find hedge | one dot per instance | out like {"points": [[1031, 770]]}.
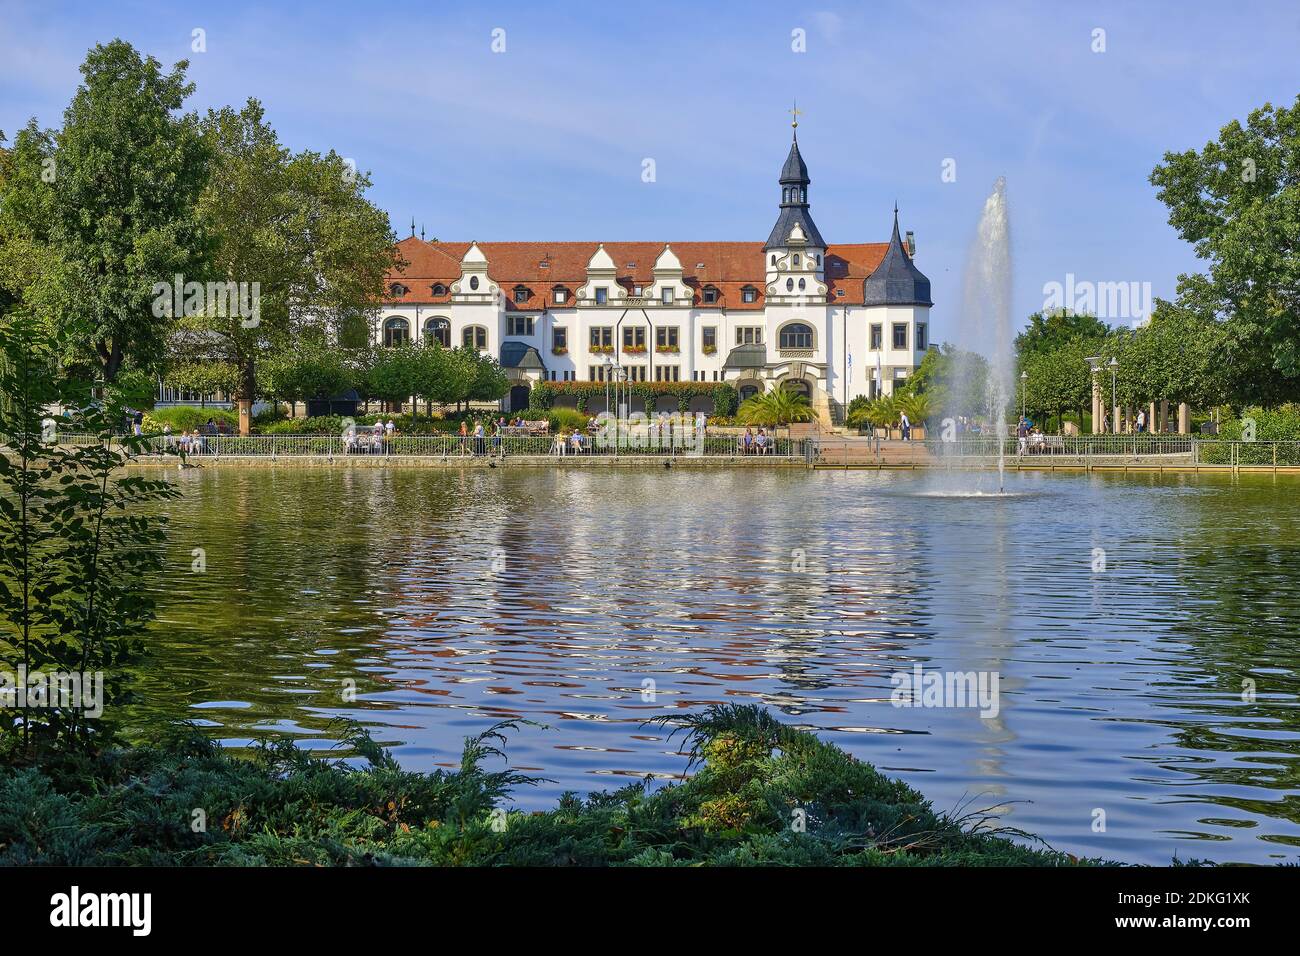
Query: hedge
{"points": [[724, 396]]}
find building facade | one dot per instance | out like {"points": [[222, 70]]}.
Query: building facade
{"points": [[831, 321]]}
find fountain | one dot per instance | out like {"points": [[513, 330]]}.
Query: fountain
{"points": [[984, 326]]}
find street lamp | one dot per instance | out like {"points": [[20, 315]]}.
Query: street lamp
{"points": [[1024, 383], [1113, 365]]}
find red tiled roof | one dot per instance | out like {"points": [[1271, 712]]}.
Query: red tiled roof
{"points": [[540, 266]]}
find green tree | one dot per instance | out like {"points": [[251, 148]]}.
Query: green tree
{"points": [[1052, 329], [112, 196], [1237, 200], [297, 225]]}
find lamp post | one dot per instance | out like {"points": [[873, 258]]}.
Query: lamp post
{"points": [[1113, 365], [1024, 383]]}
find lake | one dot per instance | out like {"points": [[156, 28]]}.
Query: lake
{"points": [[1144, 630]]}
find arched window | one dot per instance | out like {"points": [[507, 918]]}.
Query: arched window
{"points": [[803, 193], [397, 331], [796, 335], [774, 258], [796, 260], [474, 337], [819, 261], [798, 386], [785, 194], [439, 289], [473, 282], [749, 390], [438, 329]]}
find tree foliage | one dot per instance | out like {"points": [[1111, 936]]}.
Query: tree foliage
{"points": [[1237, 200]]}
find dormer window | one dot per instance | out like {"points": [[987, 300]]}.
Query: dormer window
{"points": [[560, 295], [473, 282], [710, 295], [667, 298], [439, 289], [749, 294], [602, 295], [521, 295], [796, 260], [397, 289]]}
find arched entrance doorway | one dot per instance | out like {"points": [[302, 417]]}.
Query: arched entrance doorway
{"points": [[518, 398], [749, 389], [799, 386]]}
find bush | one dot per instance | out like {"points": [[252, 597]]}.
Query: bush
{"points": [[285, 807], [320, 425], [186, 418]]}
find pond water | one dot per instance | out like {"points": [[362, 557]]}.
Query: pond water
{"points": [[1144, 631]]}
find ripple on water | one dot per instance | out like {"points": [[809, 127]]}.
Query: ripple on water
{"points": [[373, 595]]}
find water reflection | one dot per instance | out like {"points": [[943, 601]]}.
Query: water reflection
{"points": [[455, 599]]}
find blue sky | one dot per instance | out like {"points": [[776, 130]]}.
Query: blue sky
{"points": [[546, 140]]}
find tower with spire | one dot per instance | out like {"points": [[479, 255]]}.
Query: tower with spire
{"points": [[794, 251]]}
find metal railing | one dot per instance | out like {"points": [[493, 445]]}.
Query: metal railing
{"points": [[643, 444], [1086, 449]]}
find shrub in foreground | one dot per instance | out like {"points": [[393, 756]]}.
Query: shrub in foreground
{"points": [[763, 794]]}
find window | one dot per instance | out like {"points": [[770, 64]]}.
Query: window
{"points": [[397, 331], [635, 373], [900, 335], [819, 262], [749, 294], [634, 337], [521, 295], [397, 290], [473, 282], [636, 290], [519, 325], [710, 295], [801, 285], [667, 294], [602, 295], [666, 338], [875, 338], [789, 285], [474, 337], [439, 289], [560, 295], [595, 373], [559, 339], [602, 337], [668, 373], [749, 335], [710, 337], [797, 336], [796, 260], [438, 329], [922, 337]]}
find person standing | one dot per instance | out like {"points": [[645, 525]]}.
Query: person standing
{"points": [[905, 426], [464, 436], [1142, 420], [480, 443]]}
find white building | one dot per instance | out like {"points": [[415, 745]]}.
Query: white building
{"points": [[833, 321]]}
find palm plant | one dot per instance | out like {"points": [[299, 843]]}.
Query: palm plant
{"points": [[916, 406], [782, 406]]}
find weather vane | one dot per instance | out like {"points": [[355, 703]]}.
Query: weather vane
{"points": [[795, 113]]}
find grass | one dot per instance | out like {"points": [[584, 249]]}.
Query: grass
{"points": [[762, 794]]}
